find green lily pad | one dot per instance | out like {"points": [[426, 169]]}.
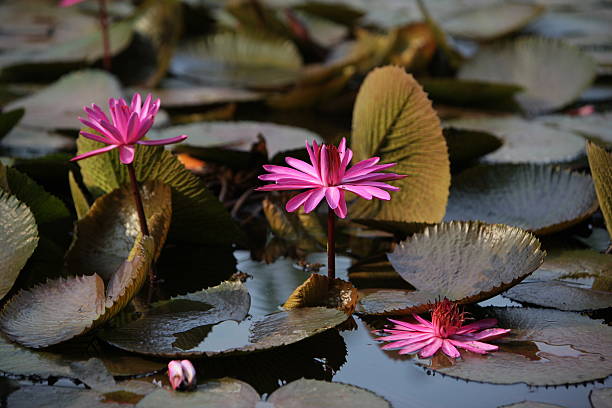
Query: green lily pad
{"points": [[571, 349], [527, 62], [50, 109], [560, 295], [241, 60], [465, 146], [491, 21], [464, 92], [106, 235], [19, 236], [393, 119], [522, 195], [600, 162], [600, 397], [240, 136], [197, 215], [9, 119], [61, 309], [212, 322], [467, 262], [525, 141]]}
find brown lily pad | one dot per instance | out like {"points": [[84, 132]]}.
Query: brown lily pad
{"points": [[464, 261], [600, 162], [537, 198], [571, 349], [318, 290]]}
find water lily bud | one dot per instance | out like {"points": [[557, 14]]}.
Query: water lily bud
{"points": [[182, 375]]}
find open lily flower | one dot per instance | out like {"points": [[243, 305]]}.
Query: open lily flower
{"points": [[127, 125], [328, 176], [182, 375], [445, 331]]}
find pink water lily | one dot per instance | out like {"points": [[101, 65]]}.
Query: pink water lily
{"points": [[328, 176], [182, 375], [127, 125], [445, 331]]}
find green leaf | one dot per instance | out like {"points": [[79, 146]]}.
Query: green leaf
{"points": [[460, 92], [19, 237], [600, 162], [106, 235], [9, 120], [49, 108], [81, 204], [197, 215], [394, 119], [240, 60], [552, 73]]}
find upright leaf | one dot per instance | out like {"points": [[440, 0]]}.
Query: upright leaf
{"points": [[600, 162], [394, 119]]}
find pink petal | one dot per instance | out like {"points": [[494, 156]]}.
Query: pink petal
{"points": [[94, 152], [341, 210], [419, 319], [487, 334], [479, 325], [332, 194], [342, 145], [136, 103], [170, 140], [416, 346], [281, 187], [474, 346], [364, 164], [406, 342], [412, 336], [302, 166], [361, 191], [323, 170], [95, 137], [411, 326], [375, 192], [66, 3], [450, 350], [373, 177], [100, 129], [311, 155], [126, 154], [314, 200], [295, 202], [432, 348]]}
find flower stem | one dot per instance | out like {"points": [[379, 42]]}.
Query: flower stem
{"points": [[103, 14], [331, 244], [138, 200]]}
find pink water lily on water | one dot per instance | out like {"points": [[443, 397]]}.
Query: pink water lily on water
{"points": [[445, 331], [328, 176], [125, 128]]}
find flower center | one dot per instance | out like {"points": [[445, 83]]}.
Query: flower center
{"points": [[446, 318], [333, 165]]}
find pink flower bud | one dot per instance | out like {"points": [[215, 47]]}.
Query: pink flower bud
{"points": [[182, 375]]}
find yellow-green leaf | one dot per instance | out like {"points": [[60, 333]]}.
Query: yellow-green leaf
{"points": [[600, 162]]}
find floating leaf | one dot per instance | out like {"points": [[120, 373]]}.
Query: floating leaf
{"points": [[600, 397], [464, 261], [197, 216], [33, 143], [19, 236], [600, 162], [240, 60], [398, 228], [50, 109], [61, 309], [573, 263], [465, 146], [525, 141], [393, 119], [106, 235], [526, 62], [560, 295], [537, 198], [190, 96], [81, 204], [317, 290], [239, 135], [594, 126], [491, 21], [570, 349], [464, 92], [9, 119]]}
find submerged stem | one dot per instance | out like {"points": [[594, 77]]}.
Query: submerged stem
{"points": [[331, 244], [103, 14]]}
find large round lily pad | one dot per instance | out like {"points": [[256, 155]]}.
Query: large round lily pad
{"points": [[570, 349], [19, 237], [594, 126], [393, 119], [551, 72], [537, 198], [211, 322], [525, 141], [463, 261], [560, 295], [239, 136]]}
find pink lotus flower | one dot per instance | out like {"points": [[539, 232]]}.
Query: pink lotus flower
{"points": [[128, 126], [327, 176], [182, 375], [445, 331], [67, 3]]}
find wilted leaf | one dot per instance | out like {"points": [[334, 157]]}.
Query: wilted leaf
{"points": [[239, 60], [9, 120], [19, 237], [465, 262], [49, 108], [525, 141], [394, 119], [197, 215], [537, 198], [81, 204], [600, 162], [491, 21], [527, 62], [317, 290], [570, 349]]}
